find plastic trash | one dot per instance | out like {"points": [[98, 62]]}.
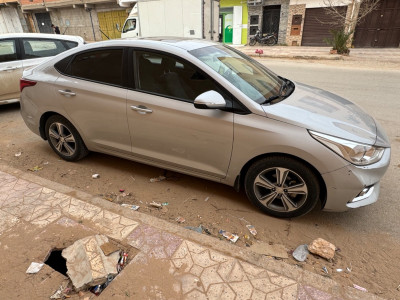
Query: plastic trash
{"points": [[157, 179], [95, 176], [360, 288], [230, 236], [131, 206], [17, 154], [197, 229], [155, 204], [34, 268], [252, 229]]}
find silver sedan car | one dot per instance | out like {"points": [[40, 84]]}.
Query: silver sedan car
{"points": [[207, 110]]}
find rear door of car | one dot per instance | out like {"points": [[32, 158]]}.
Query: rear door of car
{"points": [[10, 68], [165, 126], [92, 91]]}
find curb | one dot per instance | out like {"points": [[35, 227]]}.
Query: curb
{"points": [[301, 276]]}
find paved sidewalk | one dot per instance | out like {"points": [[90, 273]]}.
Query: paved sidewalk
{"points": [[378, 55], [171, 263]]}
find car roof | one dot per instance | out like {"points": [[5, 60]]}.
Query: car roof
{"points": [[42, 35], [187, 44]]}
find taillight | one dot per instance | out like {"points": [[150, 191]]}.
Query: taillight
{"points": [[25, 83]]}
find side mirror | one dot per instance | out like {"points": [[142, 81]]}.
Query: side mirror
{"points": [[210, 100], [117, 26]]}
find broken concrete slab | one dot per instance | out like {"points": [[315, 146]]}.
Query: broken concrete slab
{"points": [[275, 250], [86, 263]]}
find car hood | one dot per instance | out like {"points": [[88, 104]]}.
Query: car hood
{"points": [[324, 112]]}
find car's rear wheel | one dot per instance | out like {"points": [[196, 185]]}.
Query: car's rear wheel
{"points": [[64, 139], [282, 186]]}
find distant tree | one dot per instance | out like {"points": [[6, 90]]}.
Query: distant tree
{"points": [[346, 20]]}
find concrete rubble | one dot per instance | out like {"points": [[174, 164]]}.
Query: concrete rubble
{"points": [[322, 248], [87, 264]]}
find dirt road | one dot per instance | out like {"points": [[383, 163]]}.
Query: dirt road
{"points": [[367, 245]]}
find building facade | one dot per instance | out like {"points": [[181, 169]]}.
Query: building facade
{"points": [[307, 23], [233, 15]]}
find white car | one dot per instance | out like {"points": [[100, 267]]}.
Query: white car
{"points": [[19, 51]]}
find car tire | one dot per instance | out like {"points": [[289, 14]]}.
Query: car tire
{"points": [[252, 42], [64, 139], [282, 186]]}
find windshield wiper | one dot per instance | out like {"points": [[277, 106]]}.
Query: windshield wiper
{"points": [[274, 97]]}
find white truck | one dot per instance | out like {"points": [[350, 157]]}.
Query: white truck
{"points": [[180, 18]]}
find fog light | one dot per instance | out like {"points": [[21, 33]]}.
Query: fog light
{"points": [[365, 193]]}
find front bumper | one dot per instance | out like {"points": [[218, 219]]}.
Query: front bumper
{"points": [[344, 185]]}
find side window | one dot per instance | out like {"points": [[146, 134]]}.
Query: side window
{"points": [[8, 51], [100, 65], [35, 48], [70, 44], [130, 24], [171, 77]]}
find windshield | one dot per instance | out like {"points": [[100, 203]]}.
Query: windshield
{"points": [[249, 76]]}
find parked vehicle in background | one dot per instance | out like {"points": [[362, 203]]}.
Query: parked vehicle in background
{"points": [[19, 51], [267, 39], [178, 18], [208, 110]]}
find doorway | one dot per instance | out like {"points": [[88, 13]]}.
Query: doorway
{"points": [[227, 24], [44, 22], [271, 19]]}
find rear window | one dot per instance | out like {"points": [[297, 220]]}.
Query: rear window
{"points": [[103, 66], [34, 48], [8, 51]]}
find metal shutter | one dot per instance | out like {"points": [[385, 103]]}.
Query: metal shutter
{"points": [[314, 30]]}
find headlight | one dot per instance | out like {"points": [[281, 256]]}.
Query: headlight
{"points": [[356, 153]]}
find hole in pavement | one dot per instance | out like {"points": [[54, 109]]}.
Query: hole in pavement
{"points": [[57, 262]]}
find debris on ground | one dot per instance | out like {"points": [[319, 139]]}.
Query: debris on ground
{"points": [[59, 294], [325, 270], [252, 229], [197, 229], [339, 270], [322, 248], [96, 176], [301, 253], [230, 236], [180, 219], [121, 190], [206, 230], [157, 179], [80, 257], [34, 268], [155, 204], [360, 288], [17, 154], [275, 250], [35, 169], [108, 248], [164, 203], [207, 198], [131, 206]]}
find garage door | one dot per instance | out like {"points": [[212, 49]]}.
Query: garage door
{"points": [[108, 20], [381, 28], [317, 24]]}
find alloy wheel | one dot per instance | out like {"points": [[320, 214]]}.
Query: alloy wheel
{"points": [[280, 189], [62, 139]]}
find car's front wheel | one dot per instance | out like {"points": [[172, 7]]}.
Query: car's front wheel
{"points": [[282, 186], [64, 139]]}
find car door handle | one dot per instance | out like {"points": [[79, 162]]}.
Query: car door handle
{"points": [[67, 93], [142, 109]]}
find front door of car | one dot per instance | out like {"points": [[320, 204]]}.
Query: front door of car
{"points": [[165, 126], [10, 69], [91, 90]]}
